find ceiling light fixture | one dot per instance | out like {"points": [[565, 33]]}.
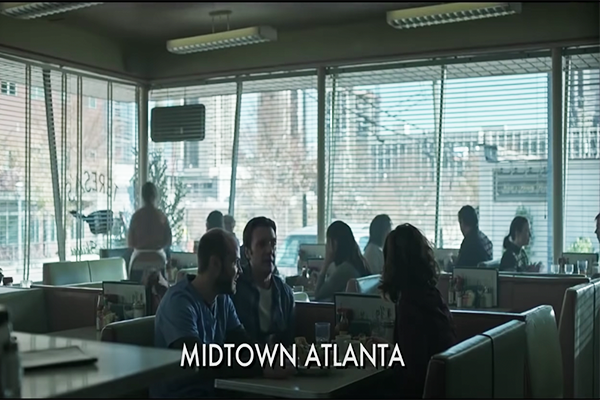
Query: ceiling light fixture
{"points": [[449, 13], [39, 10], [222, 40]]}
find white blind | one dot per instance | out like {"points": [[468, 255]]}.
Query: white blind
{"points": [[277, 167], [383, 147], [28, 230], [582, 166]]}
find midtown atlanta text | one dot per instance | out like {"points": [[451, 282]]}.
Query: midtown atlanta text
{"points": [[214, 355]]}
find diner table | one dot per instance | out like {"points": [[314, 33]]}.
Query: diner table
{"points": [[84, 333], [337, 382], [120, 369]]}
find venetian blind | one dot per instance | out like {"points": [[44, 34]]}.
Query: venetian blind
{"points": [[582, 147], [384, 150], [95, 130]]}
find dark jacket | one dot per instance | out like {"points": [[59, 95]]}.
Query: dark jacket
{"points": [[424, 327], [474, 249], [246, 300], [514, 259]]}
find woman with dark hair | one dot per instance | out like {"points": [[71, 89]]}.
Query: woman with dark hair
{"points": [[380, 227], [424, 325], [515, 258], [344, 257]]}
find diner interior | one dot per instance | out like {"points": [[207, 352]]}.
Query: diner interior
{"points": [[307, 114]]}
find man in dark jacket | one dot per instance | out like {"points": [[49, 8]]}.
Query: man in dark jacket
{"points": [[476, 247], [263, 301]]}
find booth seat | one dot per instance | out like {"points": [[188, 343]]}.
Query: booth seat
{"points": [[77, 272]]}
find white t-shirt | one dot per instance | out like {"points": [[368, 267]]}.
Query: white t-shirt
{"points": [[264, 309], [374, 256]]}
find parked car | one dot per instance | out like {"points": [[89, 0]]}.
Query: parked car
{"points": [[287, 252]]}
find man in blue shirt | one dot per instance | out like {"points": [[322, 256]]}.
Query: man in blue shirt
{"points": [[263, 301], [198, 310]]}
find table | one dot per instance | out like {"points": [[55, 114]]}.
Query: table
{"points": [[85, 333], [301, 387], [491, 309], [120, 369]]}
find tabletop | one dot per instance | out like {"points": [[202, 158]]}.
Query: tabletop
{"points": [[85, 333], [120, 368], [300, 387]]}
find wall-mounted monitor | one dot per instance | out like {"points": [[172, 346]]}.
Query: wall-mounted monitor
{"points": [[178, 123]]}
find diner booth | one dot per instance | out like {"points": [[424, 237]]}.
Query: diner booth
{"points": [[335, 112]]}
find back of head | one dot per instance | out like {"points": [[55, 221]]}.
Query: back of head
{"points": [[254, 223], [347, 249], [468, 216], [228, 222], [379, 229], [216, 242], [516, 226], [214, 220], [410, 264], [149, 193]]}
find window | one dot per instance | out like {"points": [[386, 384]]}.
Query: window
{"points": [[96, 185], [508, 101], [91, 102], [8, 88], [37, 93], [582, 169], [197, 190]]}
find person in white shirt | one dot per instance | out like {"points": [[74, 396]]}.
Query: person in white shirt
{"points": [[380, 228]]}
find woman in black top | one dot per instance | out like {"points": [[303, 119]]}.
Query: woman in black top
{"points": [[424, 325], [515, 258]]}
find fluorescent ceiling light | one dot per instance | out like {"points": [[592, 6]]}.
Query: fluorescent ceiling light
{"points": [[449, 13], [39, 10], [222, 40]]}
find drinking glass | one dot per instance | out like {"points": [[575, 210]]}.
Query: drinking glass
{"points": [[555, 269], [582, 267], [569, 269], [322, 332]]}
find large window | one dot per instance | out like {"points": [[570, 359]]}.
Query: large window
{"points": [[91, 176], [384, 147], [582, 147], [194, 177]]}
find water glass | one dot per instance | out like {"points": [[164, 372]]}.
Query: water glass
{"points": [[569, 269], [582, 267], [555, 269], [322, 332]]}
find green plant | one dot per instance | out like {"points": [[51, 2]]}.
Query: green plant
{"points": [[524, 212], [581, 245], [171, 189]]}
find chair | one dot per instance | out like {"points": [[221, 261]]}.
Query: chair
{"points": [[462, 371], [509, 346], [183, 273], [137, 332], [66, 273]]}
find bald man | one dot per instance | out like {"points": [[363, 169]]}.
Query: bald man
{"points": [[199, 310]]}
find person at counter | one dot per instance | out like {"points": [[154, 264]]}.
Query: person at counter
{"points": [[199, 310], [263, 301], [515, 258], [380, 227], [343, 261], [424, 325], [475, 247], [149, 229], [229, 225]]}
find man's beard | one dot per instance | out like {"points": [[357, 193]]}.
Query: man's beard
{"points": [[225, 284]]}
